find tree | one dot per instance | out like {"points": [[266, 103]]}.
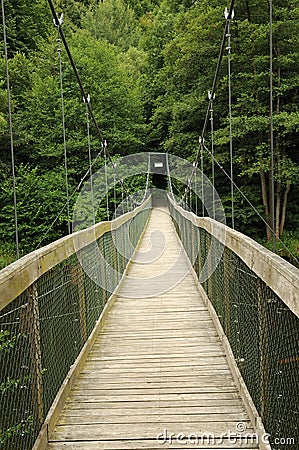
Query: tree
{"points": [[27, 21], [113, 21], [251, 106], [115, 99], [184, 70]]}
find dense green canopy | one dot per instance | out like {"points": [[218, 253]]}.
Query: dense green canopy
{"points": [[148, 66]]}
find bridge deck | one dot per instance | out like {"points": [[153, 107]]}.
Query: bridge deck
{"points": [[157, 365]]}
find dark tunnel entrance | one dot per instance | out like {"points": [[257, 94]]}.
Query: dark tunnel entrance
{"points": [[158, 165]]}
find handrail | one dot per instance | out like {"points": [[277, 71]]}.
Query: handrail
{"points": [[253, 296], [278, 274], [18, 276]]}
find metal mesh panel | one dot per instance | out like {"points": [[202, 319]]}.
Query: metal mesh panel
{"points": [[263, 333], [19, 413], [44, 329], [61, 324]]}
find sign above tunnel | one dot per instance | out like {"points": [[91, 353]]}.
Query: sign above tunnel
{"points": [[158, 163]]}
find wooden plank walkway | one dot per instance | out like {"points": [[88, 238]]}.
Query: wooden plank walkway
{"points": [[157, 365]]}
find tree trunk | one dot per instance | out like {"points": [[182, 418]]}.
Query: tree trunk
{"points": [[248, 10], [271, 203], [278, 87], [284, 209], [277, 53], [265, 202], [277, 213]]}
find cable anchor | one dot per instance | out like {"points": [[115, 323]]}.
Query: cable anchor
{"points": [[86, 99], [60, 21], [227, 15]]}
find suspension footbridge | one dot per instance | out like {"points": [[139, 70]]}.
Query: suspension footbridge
{"points": [[155, 361], [157, 329], [158, 360]]}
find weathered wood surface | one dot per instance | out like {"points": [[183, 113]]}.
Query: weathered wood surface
{"points": [[157, 365]]}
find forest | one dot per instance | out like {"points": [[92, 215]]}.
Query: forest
{"points": [[148, 66]]}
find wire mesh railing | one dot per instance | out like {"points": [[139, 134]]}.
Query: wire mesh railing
{"points": [[44, 327], [257, 306]]}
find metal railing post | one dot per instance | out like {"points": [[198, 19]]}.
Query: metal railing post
{"points": [[78, 279], [263, 349], [30, 326]]}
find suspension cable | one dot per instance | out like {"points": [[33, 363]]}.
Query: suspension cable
{"points": [[11, 133], [122, 196], [114, 188], [147, 178], [120, 178], [89, 156], [182, 200], [169, 177], [106, 181], [212, 149], [195, 188], [63, 127], [84, 95], [199, 153], [201, 146], [229, 16], [229, 19], [272, 200]]}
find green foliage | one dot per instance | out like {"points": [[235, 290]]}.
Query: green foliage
{"points": [[40, 197], [113, 21], [184, 63], [142, 7], [147, 66], [10, 385], [7, 254], [7, 341], [26, 22], [25, 426], [287, 247], [15, 380], [115, 98]]}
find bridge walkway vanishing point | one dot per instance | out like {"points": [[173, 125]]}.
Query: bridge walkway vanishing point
{"points": [[157, 366]]}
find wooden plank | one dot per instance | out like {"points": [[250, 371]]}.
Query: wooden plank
{"points": [[151, 373], [157, 382], [145, 445], [200, 397], [101, 363], [157, 348], [103, 355], [154, 403], [140, 430], [150, 418], [158, 377], [162, 343], [153, 388], [128, 410]]}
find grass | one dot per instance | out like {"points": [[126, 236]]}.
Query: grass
{"points": [[7, 254], [287, 247]]}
